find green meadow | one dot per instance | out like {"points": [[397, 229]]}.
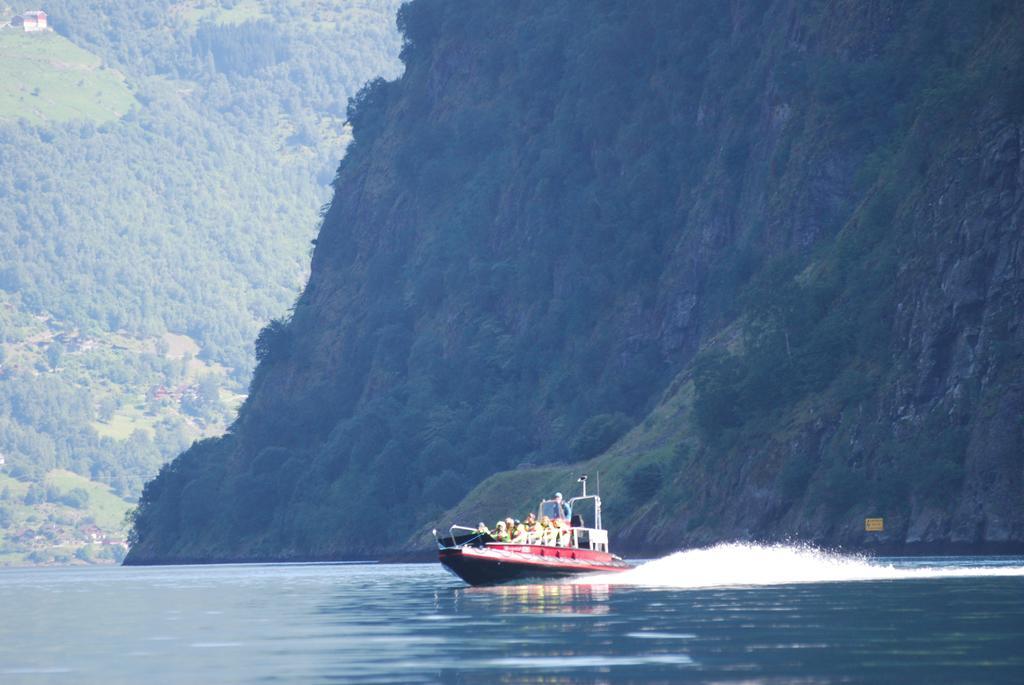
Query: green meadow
{"points": [[45, 77]]}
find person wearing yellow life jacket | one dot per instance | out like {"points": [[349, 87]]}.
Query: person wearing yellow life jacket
{"points": [[519, 535], [534, 532], [501, 533], [562, 532], [483, 529], [547, 531]]}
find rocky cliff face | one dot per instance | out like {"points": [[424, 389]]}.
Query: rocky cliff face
{"points": [[759, 263], [936, 445]]}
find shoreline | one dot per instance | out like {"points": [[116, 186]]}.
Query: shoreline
{"points": [[427, 555]]}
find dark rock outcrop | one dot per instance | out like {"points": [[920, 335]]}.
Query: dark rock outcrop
{"points": [[782, 241]]}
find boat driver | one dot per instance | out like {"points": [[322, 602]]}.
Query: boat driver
{"points": [[561, 508]]}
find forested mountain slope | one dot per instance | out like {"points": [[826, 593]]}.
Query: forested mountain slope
{"points": [[759, 263], [161, 170]]}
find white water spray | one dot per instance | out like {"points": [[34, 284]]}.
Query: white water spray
{"points": [[745, 564]]}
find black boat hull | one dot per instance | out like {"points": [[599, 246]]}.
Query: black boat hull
{"points": [[486, 567]]}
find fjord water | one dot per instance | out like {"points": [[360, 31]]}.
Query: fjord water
{"points": [[729, 614]]}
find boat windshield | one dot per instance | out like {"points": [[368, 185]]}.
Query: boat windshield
{"points": [[550, 508]]}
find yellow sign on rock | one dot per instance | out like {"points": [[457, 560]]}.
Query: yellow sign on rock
{"points": [[874, 525]]}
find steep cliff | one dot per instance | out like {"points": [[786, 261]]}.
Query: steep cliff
{"points": [[760, 263]]}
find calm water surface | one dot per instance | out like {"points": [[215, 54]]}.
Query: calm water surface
{"points": [[919, 622]]}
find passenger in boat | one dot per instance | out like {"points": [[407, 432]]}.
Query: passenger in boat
{"points": [[534, 531], [529, 522], [483, 529], [519, 534], [501, 533], [548, 533], [562, 532]]}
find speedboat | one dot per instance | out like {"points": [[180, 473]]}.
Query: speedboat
{"points": [[479, 558]]}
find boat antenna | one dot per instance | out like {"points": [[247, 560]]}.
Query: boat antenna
{"points": [[598, 488], [583, 479]]}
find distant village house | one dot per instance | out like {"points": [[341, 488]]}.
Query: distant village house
{"points": [[34, 20]]}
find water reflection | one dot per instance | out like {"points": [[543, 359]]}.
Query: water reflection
{"points": [[555, 633], [555, 599]]}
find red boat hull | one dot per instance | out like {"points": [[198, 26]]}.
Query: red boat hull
{"points": [[503, 562]]}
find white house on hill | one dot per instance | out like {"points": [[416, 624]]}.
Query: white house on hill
{"points": [[34, 20]]}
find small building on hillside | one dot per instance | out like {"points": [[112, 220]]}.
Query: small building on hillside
{"points": [[33, 20]]}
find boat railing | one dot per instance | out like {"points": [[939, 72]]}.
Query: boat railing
{"points": [[595, 501], [590, 538], [576, 537], [460, 536]]}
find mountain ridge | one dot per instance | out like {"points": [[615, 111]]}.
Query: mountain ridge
{"points": [[528, 243]]}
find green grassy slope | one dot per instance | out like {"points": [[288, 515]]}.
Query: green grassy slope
{"points": [[46, 77], [104, 506], [643, 476]]}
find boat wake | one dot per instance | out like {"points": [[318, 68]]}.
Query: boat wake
{"points": [[746, 564]]}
